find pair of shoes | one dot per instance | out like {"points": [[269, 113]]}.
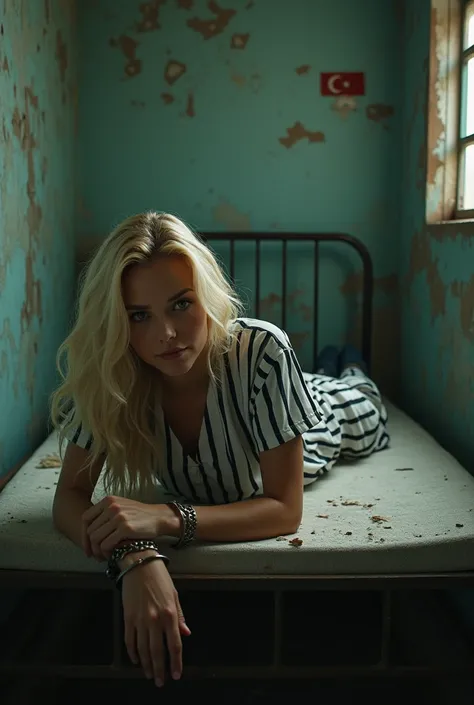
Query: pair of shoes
{"points": [[327, 362], [331, 362], [351, 356]]}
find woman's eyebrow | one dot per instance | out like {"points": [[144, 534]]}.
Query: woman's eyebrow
{"points": [[179, 294], [143, 307]]}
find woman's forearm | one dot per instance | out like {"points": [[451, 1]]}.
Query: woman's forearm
{"points": [[248, 520], [68, 508]]}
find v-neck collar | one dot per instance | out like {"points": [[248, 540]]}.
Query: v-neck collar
{"points": [[195, 456]]}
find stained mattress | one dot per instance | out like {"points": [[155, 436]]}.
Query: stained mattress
{"points": [[408, 509]]}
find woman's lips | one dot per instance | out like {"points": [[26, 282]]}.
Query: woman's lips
{"points": [[172, 354]]}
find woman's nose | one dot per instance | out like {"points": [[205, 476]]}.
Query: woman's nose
{"points": [[166, 332]]}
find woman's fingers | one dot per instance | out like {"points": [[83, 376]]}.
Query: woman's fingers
{"points": [[183, 627], [143, 645], [130, 638], [157, 651], [173, 640]]}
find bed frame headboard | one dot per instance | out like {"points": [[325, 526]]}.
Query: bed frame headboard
{"points": [[316, 238]]}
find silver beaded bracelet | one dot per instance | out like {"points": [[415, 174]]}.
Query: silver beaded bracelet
{"points": [[136, 546], [188, 523]]}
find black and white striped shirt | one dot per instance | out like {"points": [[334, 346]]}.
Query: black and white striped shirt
{"points": [[261, 402]]}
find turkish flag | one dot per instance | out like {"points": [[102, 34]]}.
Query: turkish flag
{"points": [[342, 84]]}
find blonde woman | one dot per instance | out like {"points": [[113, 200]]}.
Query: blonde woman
{"points": [[165, 383]]}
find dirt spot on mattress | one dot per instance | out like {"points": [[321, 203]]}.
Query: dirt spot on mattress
{"points": [[403, 469], [50, 461], [378, 519], [296, 542]]}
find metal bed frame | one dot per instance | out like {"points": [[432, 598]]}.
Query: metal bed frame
{"points": [[42, 663]]}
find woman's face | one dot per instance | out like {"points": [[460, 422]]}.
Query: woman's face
{"points": [[168, 325]]}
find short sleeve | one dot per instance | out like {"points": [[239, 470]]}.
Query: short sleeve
{"points": [[79, 435], [281, 405]]}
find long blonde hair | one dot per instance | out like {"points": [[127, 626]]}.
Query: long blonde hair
{"points": [[105, 386]]}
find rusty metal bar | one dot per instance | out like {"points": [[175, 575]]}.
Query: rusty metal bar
{"points": [[277, 629], [117, 630], [47, 670], [27, 579], [316, 302], [257, 279], [386, 628], [232, 260], [284, 267]]}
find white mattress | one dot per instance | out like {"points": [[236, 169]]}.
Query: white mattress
{"points": [[424, 497]]}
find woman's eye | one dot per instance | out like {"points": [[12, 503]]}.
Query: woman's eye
{"points": [[182, 305], [138, 316]]}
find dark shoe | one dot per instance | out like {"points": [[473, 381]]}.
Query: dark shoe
{"points": [[327, 361], [351, 356]]}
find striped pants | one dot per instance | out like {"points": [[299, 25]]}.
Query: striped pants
{"points": [[353, 424]]}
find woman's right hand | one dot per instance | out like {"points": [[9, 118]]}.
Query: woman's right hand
{"points": [[153, 615]]}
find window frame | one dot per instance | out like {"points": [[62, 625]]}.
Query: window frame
{"points": [[444, 145], [465, 54]]}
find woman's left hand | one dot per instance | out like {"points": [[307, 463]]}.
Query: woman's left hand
{"points": [[114, 519]]}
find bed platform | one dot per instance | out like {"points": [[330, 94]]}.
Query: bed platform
{"points": [[398, 524], [408, 509]]}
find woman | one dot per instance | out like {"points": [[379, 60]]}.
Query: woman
{"points": [[164, 380]]}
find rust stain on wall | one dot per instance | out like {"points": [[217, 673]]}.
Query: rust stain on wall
{"points": [[268, 303], [167, 98], [238, 80], [421, 167], [190, 111], [379, 112], [62, 60], [150, 12], [465, 293], [230, 217], [239, 41], [298, 132], [353, 284], [61, 55], [344, 105], [128, 47], [173, 71], [32, 303], [298, 339], [34, 214], [435, 124], [211, 28], [5, 66], [302, 70], [421, 260]]}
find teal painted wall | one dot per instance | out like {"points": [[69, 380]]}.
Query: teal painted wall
{"points": [[37, 99], [437, 273], [202, 109], [437, 277]]}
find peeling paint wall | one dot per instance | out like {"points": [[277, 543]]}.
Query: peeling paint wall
{"points": [[212, 110], [437, 267], [38, 106]]}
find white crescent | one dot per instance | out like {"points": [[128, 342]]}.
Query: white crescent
{"points": [[332, 82]]}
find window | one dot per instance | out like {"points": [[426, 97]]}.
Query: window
{"points": [[465, 196], [450, 143]]}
